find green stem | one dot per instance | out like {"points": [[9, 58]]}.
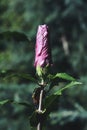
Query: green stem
{"points": [[40, 101], [39, 126]]}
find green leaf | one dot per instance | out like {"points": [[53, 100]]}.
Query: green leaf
{"points": [[27, 76], [3, 102], [17, 36], [73, 83], [49, 104], [23, 103], [62, 76], [50, 100], [5, 74], [34, 119], [9, 101]]}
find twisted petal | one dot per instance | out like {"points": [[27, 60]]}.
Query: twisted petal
{"points": [[42, 49]]}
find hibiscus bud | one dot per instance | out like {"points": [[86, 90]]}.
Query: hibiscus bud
{"points": [[42, 49]]}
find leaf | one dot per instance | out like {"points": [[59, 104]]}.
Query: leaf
{"points": [[49, 101], [62, 76], [5, 74], [27, 76], [3, 102], [23, 103], [73, 83], [10, 101], [17, 36], [34, 119]]}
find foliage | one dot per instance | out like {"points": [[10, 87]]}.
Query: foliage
{"points": [[65, 18]]}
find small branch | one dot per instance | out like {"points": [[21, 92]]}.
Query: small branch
{"points": [[39, 126], [40, 101]]}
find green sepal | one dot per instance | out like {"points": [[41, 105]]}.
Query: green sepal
{"points": [[39, 71], [42, 72]]}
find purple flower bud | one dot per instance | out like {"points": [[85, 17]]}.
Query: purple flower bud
{"points": [[42, 49]]}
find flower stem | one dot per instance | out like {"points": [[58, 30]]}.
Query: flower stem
{"points": [[40, 100], [39, 126]]}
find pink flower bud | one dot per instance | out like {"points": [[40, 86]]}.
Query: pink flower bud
{"points": [[42, 49]]}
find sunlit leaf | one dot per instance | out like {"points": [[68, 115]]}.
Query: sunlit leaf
{"points": [[49, 104], [62, 76], [73, 83], [49, 101]]}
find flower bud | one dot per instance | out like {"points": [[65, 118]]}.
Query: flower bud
{"points": [[42, 49]]}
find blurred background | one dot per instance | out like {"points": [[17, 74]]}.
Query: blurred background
{"points": [[67, 21]]}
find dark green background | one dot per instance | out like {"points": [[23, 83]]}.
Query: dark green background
{"points": [[66, 19]]}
